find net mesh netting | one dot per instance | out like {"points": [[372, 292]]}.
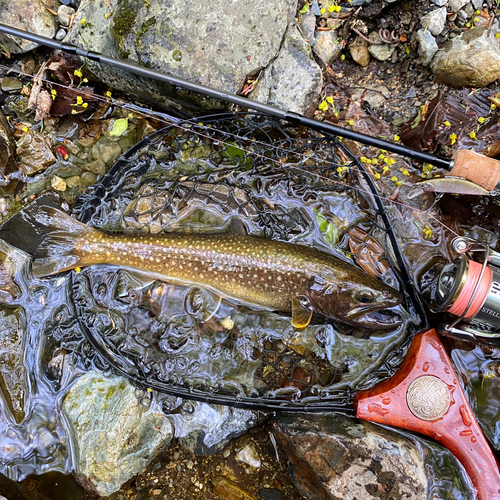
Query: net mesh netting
{"points": [[239, 174]]}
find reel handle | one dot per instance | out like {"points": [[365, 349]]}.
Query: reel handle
{"points": [[425, 396]]}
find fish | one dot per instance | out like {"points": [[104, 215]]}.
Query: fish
{"points": [[273, 275], [448, 184]]}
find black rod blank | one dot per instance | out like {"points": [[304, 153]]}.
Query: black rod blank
{"points": [[295, 118]]}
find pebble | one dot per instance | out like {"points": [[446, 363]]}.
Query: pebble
{"points": [[11, 84], [440, 3], [456, 5], [73, 182], [61, 33], [359, 52], [461, 19], [411, 94], [64, 13], [58, 183], [427, 46], [434, 21], [478, 4], [380, 52]]}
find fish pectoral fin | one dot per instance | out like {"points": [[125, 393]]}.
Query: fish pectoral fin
{"points": [[302, 311]]}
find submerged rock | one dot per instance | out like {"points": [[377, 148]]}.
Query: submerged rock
{"points": [[27, 15], [115, 436], [334, 457], [293, 81], [13, 378], [469, 60], [205, 429], [33, 152], [8, 162]]}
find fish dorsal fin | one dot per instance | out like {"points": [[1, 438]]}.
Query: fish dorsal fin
{"points": [[302, 311]]}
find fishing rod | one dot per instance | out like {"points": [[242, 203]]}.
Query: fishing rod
{"points": [[470, 165], [289, 116]]}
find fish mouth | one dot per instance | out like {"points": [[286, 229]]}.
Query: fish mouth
{"points": [[384, 318], [379, 319]]}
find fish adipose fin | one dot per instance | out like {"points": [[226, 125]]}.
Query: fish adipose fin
{"points": [[302, 311], [56, 253]]}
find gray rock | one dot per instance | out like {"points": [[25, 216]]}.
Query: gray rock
{"points": [[205, 429], [334, 457], [434, 21], [375, 95], [217, 48], [61, 33], [439, 3], [27, 15], [411, 94], [64, 13], [115, 436], [461, 19], [315, 8], [478, 4], [307, 26], [427, 46], [469, 60], [327, 47], [469, 10], [294, 80], [380, 52], [456, 5]]}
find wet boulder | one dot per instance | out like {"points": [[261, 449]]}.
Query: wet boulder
{"points": [[115, 434], [332, 457], [27, 15], [469, 60]]}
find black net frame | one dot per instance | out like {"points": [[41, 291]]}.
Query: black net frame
{"points": [[249, 142]]}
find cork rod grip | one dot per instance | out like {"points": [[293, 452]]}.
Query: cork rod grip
{"points": [[424, 396], [476, 168]]}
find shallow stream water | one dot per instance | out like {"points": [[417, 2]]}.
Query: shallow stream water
{"points": [[184, 336]]}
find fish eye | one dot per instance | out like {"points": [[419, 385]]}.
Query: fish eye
{"points": [[365, 296]]}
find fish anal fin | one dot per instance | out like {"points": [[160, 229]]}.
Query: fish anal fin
{"points": [[302, 311]]}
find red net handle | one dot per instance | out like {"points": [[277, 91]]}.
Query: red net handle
{"points": [[424, 396]]}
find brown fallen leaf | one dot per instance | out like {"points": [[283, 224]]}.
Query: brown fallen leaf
{"points": [[43, 105], [368, 253]]}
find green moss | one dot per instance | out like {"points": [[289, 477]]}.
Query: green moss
{"points": [[122, 385], [123, 23]]}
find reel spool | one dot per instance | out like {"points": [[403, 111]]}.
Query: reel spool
{"points": [[471, 291]]}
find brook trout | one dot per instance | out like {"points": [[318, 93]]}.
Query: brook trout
{"points": [[270, 274]]}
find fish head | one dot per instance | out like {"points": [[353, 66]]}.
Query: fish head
{"points": [[364, 303]]}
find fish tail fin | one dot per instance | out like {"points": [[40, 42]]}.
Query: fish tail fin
{"points": [[56, 253]]}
